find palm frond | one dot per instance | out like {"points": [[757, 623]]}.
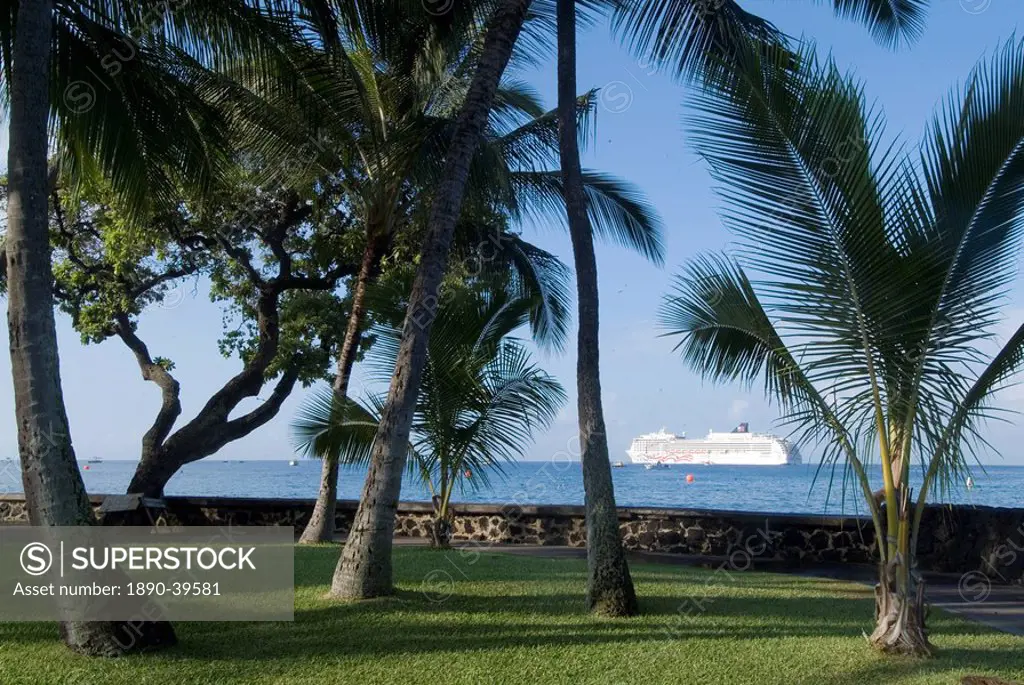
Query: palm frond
{"points": [[726, 335], [340, 429], [947, 447], [618, 212], [686, 36]]}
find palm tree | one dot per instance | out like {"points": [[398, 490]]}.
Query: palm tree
{"points": [[480, 401], [385, 152], [53, 486], [118, 79], [365, 566], [609, 585], [879, 279]]}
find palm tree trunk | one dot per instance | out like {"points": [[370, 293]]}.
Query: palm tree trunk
{"points": [[609, 585], [900, 613], [900, 608], [53, 485], [321, 525], [364, 569]]}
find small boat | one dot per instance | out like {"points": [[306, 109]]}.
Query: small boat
{"points": [[656, 465], [970, 483], [95, 460], [618, 465], [292, 462]]}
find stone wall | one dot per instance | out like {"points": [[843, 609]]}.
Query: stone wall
{"points": [[953, 539]]}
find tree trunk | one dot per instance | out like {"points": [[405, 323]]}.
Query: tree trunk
{"points": [[54, 491], [441, 526], [154, 470], [440, 533], [900, 614], [609, 585], [163, 453], [364, 569], [321, 525], [204, 435]]}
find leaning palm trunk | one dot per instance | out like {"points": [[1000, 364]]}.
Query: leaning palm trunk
{"points": [[53, 486], [609, 585], [321, 525], [364, 569]]}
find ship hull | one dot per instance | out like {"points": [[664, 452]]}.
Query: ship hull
{"points": [[718, 459], [738, 448]]}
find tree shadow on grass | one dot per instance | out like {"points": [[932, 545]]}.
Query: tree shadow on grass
{"points": [[950, 664], [538, 603], [407, 624]]}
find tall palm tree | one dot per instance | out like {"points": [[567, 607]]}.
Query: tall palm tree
{"points": [[609, 585], [53, 486], [879, 280], [479, 403], [118, 80], [521, 154]]}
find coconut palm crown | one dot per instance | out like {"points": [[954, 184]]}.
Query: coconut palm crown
{"points": [[479, 405]]}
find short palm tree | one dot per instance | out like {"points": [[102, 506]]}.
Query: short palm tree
{"points": [[479, 405], [877, 281]]}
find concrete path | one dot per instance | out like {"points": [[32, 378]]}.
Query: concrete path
{"points": [[971, 596]]}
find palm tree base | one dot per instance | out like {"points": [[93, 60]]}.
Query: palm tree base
{"points": [[441, 534], [611, 592], [360, 588], [900, 618], [320, 528], [364, 570], [114, 639], [614, 606], [315, 534]]}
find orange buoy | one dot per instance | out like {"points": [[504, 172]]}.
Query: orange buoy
{"points": [[689, 478], [87, 467]]}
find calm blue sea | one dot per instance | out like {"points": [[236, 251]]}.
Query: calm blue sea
{"points": [[773, 488]]}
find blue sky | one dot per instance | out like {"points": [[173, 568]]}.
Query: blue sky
{"points": [[641, 139]]}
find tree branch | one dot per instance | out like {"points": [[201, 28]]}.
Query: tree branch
{"points": [[243, 425], [293, 213], [326, 282], [170, 408], [242, 257], [247, 383], [169, 275]]}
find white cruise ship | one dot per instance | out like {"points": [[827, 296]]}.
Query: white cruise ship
{"points": [[737, 448]]}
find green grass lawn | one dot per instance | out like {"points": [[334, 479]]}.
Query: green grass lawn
{"points": [[506, 619]]}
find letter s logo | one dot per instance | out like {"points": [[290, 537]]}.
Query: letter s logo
{"points": [[36, 559]]}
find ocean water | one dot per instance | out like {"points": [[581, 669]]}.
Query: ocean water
{"points": [[739, 488]]}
